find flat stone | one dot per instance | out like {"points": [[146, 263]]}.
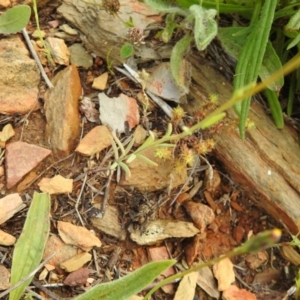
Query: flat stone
{"points": [[79, 57], [96, 140], [77, 236], [100, 82], [56, 185], [61, 109], [59, 50], [6, 239], [20, 159], [150, 178], [76, 262], [19, 77], [115, 112], [110, 223], [10, 205]]}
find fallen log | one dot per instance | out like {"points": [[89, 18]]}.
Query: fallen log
{"points": [[266, 164]]}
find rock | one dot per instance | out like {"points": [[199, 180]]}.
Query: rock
{"points": [[224, 273], [76, 262], [95, 141], [59, 50], [61, 109], [159, 230], [77, 236], [110, 223], [4, 278], [78, 277], [234, 293], [114, 112], [19, 77], [5, 3], [100, 82], [56, 185], [79, 57], [20, 159], [68, 29], [6, 133], [150, 178], [62, 251], [9, 205], [139, 135], [6, 239], [202, 215], [99, 30]]}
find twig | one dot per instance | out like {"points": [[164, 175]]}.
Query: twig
{"points": [[36, 58], [36, 295], [27, 276], [106, 193], [78, 199], [46, 291]]}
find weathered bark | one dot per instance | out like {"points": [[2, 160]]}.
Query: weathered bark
{"points": [[266, 164]]}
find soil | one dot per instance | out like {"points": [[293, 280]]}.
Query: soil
{"points": [[237, 218]]}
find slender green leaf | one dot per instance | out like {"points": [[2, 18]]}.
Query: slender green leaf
{"points": [[146, 160], [129, 285], [292, 27], [251, 57], [177, 63], [29, 249], [115, 148], [131, 158], [234, 38], [275, 107], [126, 50], [125, 168], [294, 42], [119, 143], [206, 27], [129, 146], [14, 19], [169, 28]]}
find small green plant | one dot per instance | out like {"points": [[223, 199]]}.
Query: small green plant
{"points": [[14, 19]]}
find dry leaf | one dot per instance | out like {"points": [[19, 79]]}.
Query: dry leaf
{"points": [[186, 288], [76, 262], [234, 293], [6, 239], [78, 277], [4, 278], [10, 205]]}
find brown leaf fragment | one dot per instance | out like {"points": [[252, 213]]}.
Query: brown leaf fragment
{"points": [[223, 271], [77, 236], [191, 250], [76, 262], [4, 278], [291, 254], [186, 288], [267, 276], [56, 185], [254, 261], [6, 239], [87, 107], [10, 205], [234, 293], [78, 277], [207, 282], [201, 214]]}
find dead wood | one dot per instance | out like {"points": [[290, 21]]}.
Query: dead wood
{"points": [[267, 163]]}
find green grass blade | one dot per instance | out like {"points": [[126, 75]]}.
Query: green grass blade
{"points": [[251, 57], [129, 285], [275, 108], [29, 249]]}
